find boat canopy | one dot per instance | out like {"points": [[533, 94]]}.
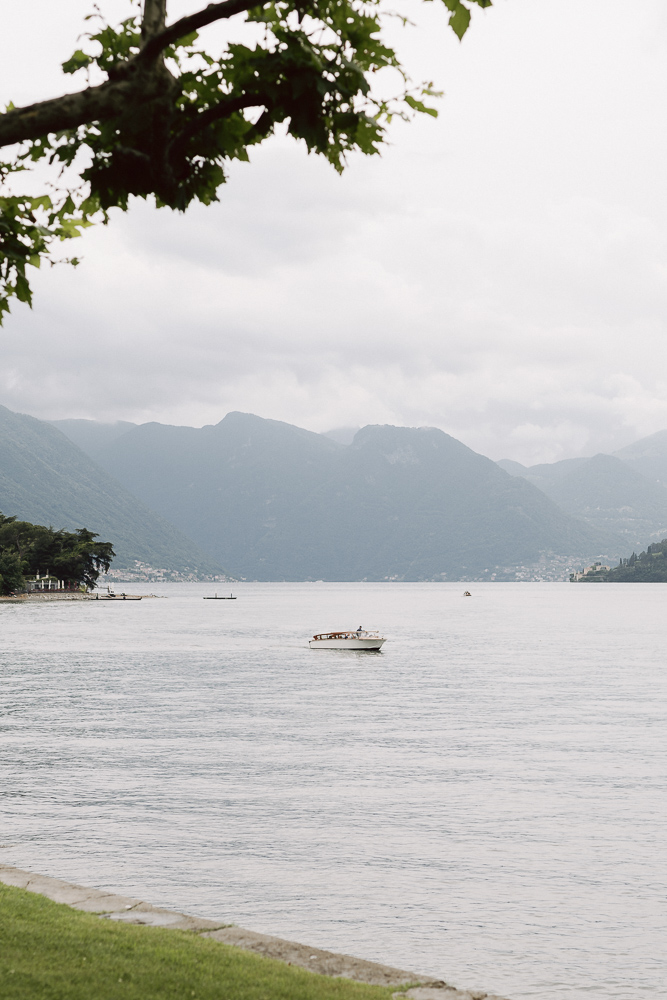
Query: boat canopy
{"points": [[363, 634]]}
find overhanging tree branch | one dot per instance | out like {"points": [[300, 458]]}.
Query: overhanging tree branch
{"points": [[168, 129], [131, 79], [67, 112], [193, 22], [153, 21], [224, 109]]}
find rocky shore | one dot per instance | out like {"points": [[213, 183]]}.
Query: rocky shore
{"points": [[129, 910]]}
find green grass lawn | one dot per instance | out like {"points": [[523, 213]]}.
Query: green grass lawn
{"points": [[51, 952]]}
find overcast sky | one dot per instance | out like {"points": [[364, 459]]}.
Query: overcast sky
{"points": [[499, 273]]}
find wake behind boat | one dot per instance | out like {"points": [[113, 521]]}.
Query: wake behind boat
{"points": [[360, 639]]}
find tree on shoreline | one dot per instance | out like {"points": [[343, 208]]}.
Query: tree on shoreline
{"points": [[170, 116], [28, 549]]}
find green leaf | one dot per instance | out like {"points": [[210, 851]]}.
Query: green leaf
{"points": [[417, 105], [460, 21], [23, 293], [43, 201], [79, 60], [90, 205]]}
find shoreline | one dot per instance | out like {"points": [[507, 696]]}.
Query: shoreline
{"points": [[111, 906], [54, 596], [72, 595]]}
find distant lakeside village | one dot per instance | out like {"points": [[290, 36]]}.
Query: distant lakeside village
{"points": [[144, 573], [552, 569], [650, 566]]}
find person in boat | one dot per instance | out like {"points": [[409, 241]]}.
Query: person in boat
{"points": [[360, 629]]}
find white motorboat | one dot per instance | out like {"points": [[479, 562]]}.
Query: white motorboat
{"points": [[360, 639]]}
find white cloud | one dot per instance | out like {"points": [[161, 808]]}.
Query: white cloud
{"points": [[499, 273]]}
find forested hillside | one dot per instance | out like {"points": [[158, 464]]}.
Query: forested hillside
{"points": [[271, 501], [607, 492], [648, 567], [46, 479]]}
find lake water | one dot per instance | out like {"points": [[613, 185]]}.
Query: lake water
{"points": [[485, 800]]}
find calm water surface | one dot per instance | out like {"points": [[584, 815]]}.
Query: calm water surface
{"points": [[484, 800]]}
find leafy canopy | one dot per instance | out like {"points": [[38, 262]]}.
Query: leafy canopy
{"points": [[170, 115], [27, 549]]}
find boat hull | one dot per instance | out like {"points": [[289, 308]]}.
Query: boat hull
{"points": [[346, 643]]}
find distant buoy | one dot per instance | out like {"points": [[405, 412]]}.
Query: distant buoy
{"points": [[466, 593]]}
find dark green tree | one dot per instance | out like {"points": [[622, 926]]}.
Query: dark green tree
{"points": [[27, 549], [81, 559], [11, 572], [170, 115]]}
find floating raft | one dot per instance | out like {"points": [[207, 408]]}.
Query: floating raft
{"points": [[118, 597]]}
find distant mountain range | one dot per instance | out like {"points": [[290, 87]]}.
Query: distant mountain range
{"points": [[46, 479], [609, 492], [91, 435], [272, 501], [647, 456]]}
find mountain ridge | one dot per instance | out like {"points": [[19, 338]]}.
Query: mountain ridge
{"points": [[648, 456], [606, 492], [270, 500], [46, 479]]}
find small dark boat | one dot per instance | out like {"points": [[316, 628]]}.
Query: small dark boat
{"points": [[111, 595], [119, 597], [216, 598]]}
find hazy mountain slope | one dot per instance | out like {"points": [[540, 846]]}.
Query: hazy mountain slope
{"points": [[445, 508], [512, 467], [273, 501], [342, 435], [647, 456], [610, 495], [541, 475], [231, 483], [91, 435], [46, 479]]}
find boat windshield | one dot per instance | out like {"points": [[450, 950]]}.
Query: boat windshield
{"points": [[356, 634]]}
